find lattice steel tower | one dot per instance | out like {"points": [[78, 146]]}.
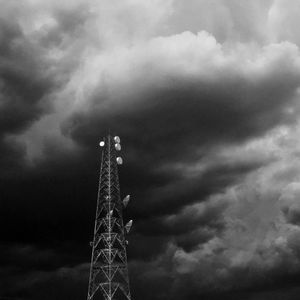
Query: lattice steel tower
{"points": [[109, 272]]}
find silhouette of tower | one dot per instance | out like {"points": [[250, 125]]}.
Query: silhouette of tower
{"points": [[108, 271]]}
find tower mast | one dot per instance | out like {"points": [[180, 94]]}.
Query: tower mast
{"points": [[108, 271]]}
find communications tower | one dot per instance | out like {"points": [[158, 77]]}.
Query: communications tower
{"points": [[108, 271]]}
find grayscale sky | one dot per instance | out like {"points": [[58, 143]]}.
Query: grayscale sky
{"points": [[205, 97]]}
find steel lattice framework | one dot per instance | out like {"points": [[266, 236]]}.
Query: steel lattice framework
{"points": [[109, 272]]}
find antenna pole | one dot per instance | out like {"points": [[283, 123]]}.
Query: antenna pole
{"points": [[109, 271]]}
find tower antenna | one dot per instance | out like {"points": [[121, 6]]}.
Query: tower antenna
{"points": [[109, 278]]}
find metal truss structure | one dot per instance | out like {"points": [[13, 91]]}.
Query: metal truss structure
{"points": [[108, 271]]}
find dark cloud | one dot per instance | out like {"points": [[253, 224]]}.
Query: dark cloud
{"points": [[197, 111], [25, 84], [290, 203], [70, 282], [29, 272]]}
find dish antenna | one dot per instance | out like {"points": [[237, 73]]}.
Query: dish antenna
{"points": [[126, 200], [117, 139], [118, 147], [128, 226], [119, 160]]}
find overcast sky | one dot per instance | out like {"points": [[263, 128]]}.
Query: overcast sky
{"points": [[205, 97]]}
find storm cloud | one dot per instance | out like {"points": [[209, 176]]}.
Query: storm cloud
{"points": [[204, 95]]}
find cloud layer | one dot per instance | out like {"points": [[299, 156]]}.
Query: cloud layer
{"points": [[204, 95]]}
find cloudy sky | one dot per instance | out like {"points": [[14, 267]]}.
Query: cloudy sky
{"points": [[205, 97]]}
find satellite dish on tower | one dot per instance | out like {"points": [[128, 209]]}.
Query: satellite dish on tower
{"points": [[101, 144], [118, 147], [126, 200], [117, 139], [119, 160], [128, 226]]}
